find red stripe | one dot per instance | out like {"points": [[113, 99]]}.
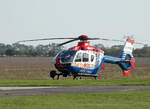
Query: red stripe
{"points": [[129, 40]]}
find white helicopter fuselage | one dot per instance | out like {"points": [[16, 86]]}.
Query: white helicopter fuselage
{"points": [[81, 61]]}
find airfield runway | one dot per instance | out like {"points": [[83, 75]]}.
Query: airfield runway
{"points": [[35, 91]]}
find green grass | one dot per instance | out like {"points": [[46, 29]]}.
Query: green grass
{"points": [[121, 100], [125, 81]]}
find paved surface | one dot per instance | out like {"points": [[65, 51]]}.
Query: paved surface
{"points": [[34, 91]]}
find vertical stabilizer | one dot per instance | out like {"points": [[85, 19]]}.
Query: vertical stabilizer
{"points": [[127, 49], [127, 55]]}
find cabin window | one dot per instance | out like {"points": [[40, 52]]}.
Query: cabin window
{"points": [[85, 57], [78, 57], [92, 58]]}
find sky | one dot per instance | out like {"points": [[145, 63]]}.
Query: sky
{"points": [[33, 19]]}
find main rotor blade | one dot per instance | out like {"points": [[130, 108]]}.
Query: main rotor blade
{"points": [[74, 39], [110, 40], [93, 39], [139, 43], [43, 39], [68, 42]]}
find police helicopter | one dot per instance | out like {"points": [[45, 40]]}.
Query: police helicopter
{"points": [[86, 60]]}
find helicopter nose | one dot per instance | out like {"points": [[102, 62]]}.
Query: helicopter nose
{"points": [[58, 63], [62, 66]]}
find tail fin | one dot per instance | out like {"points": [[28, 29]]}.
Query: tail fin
{"points": [[127, 55], [127, 49]]}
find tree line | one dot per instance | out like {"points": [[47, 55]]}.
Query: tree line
{"points": [[17, 49]]}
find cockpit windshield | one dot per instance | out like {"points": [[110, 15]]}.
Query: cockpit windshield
{"points": [[67, 55]]}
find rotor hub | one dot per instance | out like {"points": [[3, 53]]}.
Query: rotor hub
{"points": [[83, 37]]}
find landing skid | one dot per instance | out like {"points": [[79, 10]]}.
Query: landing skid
{"points": [[53, 74]]}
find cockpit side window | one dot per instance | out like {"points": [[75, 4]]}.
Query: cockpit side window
{"points": [[67, 55], [60, 53], [85, 57], [78, 57], [92, 58]]}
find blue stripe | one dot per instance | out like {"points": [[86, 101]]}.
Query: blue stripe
{"points": [[112, 60]]}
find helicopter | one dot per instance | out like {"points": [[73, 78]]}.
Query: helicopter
{"points": [[86, 60]]}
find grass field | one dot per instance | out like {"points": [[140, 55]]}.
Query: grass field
{"points": [[34, 71], [104, 82], [121, 100], [39, 67]]}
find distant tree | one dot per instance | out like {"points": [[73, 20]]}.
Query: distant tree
{"points": [[113, 51], [146, 51], [10, 52], [101, 46], [52, 53], [2, 49], [142, 52], [52, 49], [117, 46]]}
